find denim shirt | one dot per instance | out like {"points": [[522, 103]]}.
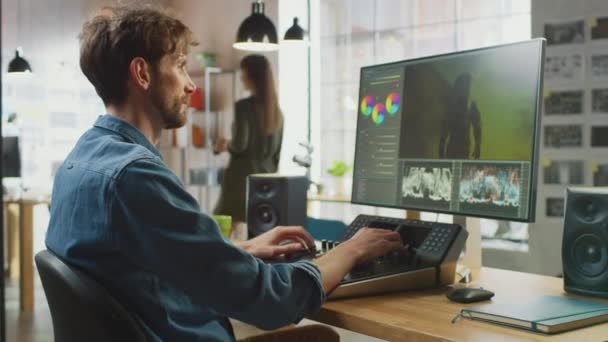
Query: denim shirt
{"points": [[121, 215]]}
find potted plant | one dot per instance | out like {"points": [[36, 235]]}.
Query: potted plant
{"points": [[338, 169]]}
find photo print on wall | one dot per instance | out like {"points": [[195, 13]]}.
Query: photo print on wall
{"points": [[558, 136], [564, 172], [599, 28], [564, 102], [599, 66], [564, 67], [600, 174], [599, 101], [567, 32], [555, 207], [599, 136]]}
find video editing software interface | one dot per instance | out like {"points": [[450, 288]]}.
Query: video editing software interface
{"points": [[454, 133]]}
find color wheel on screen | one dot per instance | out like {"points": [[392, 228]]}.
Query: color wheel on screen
{"points": [[367, 105], [378, 113], [392, 103]]}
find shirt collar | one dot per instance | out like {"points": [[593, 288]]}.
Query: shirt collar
{"points": [[125, 129]]}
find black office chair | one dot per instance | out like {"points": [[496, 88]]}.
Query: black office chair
{"points": [[81, 309]]}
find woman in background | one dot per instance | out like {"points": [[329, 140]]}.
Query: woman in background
{"points": [[257, 133]]}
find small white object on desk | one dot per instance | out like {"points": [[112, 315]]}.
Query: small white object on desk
{"points": [[240, 232]]}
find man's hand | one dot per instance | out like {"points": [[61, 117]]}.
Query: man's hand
{"points": [[268, 246], [367, 244]]}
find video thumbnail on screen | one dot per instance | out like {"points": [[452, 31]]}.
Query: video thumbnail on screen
{"points": [[490, 184], [425, 184]]}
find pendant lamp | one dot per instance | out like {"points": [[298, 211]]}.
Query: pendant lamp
{"points": [[257, 32], [18, 64], [295, 32]]}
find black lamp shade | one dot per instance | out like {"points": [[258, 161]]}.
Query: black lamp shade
{"points": [[256, 32], [19, 64], [295, 32]]}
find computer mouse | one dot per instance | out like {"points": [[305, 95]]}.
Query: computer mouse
{"points": [[469, 295]]}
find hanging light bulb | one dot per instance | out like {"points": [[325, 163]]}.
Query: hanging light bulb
{"points": [[295, 32], [18, 64], [295, 35], [257, 32]]}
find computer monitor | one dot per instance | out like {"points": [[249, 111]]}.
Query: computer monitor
{"points": [[11, 158], [456, 133]]}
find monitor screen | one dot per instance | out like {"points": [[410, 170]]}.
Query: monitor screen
{"points": [[11, 159], [454, 133]]}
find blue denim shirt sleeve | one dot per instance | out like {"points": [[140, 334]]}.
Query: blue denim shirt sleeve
{"points": [[161, 229]]}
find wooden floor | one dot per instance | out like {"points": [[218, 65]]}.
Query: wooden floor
{"points": [[38, 327]]}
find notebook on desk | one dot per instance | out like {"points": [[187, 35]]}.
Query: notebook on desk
{"points": [[545, 314]]}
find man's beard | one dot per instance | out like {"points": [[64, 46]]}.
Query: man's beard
{"points": [[170, 111]]}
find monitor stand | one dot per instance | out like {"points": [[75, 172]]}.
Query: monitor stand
{"points": [[471, 260]]}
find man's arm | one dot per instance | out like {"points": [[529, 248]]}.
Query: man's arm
{"points": [[366, 245], [269, 246], [159, 228]]}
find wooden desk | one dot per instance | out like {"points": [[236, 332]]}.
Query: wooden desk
{"points": [[427, 315], [26, 248]]}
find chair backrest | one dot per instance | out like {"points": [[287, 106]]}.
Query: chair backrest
{"points": [[323, 229], [81, 309]]}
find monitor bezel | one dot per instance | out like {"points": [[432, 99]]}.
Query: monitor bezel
{"points": [[541, 42]]}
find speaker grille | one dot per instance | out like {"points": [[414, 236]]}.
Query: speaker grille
{"points": [[588, 209], [265, 189], [265, 217], [589, 255]]}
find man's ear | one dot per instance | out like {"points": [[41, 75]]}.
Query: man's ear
{"points": [[139, 72]]}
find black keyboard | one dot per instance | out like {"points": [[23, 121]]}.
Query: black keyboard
{"points": [[427, 243], [430, 239]]}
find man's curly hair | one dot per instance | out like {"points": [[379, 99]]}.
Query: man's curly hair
{"points": [[116, 35]]}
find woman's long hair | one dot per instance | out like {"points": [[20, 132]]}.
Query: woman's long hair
{"points": [[258, 71]]}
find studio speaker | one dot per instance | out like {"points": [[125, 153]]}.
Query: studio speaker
{"points": [[275, 200], [585, 242]]}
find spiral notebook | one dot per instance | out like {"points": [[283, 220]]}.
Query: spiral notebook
{"points": [[545, 314]]}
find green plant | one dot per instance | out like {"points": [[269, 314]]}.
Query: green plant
{"points": [[206, 58], [338, 168]]}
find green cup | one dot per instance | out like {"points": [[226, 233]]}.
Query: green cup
{"points": [[225, 223]]}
